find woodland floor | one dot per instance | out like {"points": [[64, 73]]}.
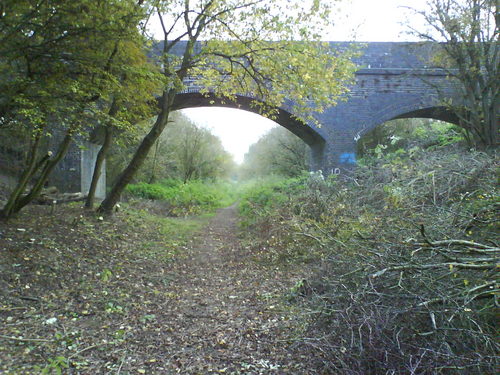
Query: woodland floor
{"points": [[86, 296]]}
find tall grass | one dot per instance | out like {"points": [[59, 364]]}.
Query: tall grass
{"points": [[191, 198], [261, 196]]}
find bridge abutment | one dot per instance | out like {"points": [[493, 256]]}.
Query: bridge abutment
{"points": [[74, 173]]}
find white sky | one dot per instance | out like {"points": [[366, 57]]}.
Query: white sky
{"points": [[237, 129], [361, 20]]}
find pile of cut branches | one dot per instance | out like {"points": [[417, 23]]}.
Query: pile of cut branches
{"points": [[420, 307], [407, 254]]}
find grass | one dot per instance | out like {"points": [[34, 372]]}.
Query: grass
{"points": [[184, 199], [174, 233]]}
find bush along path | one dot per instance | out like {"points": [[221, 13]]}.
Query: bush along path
{"points": [[140, 294]]}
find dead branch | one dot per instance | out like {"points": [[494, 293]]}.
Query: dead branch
{"points": [[436, 265]]}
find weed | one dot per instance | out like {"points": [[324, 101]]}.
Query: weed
{"points": [[106, 274], [55, 365]]}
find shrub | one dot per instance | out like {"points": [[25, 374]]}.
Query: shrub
{"points": [[260, 196], [193, 197], [147, 191]]}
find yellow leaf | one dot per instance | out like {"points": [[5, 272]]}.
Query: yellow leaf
{"points": [[466, 282]]}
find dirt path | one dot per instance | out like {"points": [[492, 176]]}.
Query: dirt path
{"points": [[226, 316], [112, 297]]}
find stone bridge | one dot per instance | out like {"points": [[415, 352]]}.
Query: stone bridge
{"points": [[394, 81]]}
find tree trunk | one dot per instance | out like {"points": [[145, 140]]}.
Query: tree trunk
{"points": [[492, 117], [140, 155], [17, 201], [48, 168], [30, 169], [152, 178], [101, 156]]}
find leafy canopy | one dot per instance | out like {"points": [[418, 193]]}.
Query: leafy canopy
{"points": [[62, 61], [269, 50]]}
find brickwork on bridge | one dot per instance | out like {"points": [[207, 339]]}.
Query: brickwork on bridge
{"points": [[394, 81], [379, 95]]}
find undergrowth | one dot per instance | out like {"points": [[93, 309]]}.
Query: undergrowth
{"points": [[261, 196], [190, 198], [405, 251]]}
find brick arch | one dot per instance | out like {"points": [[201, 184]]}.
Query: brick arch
{"points": [[305, 132], [411, 109], [437, 113], [430, 108], [393, 81]]}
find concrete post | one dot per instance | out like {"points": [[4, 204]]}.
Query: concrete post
{"points": [[88, 157]]}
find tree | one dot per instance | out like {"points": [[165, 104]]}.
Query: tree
{"points": [[40, 86], [200, 155], [278, 152], [466, 33], [182, 152], [56, 76], [269, 49], [131, 102]]}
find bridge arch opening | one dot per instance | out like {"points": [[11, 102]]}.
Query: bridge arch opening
{"points": [[422, 128], [284, 118]]}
